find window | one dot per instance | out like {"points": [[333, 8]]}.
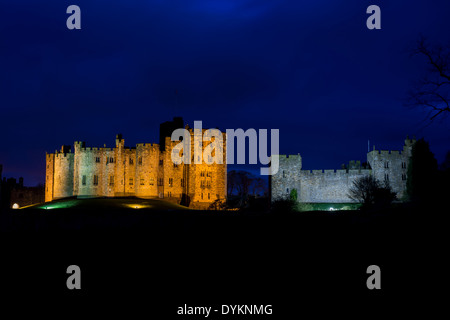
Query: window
{"points": [[131, 161], [404, 165], [111, 180], [131, 181], [97, 159], [111, 160], [152, 181], [287, 190], [175, 165], [284, 174], [95, 180], [161, 162], [169, 194], [140, 161], [209, 196], [208, 184], [142, 182], [83, 180], [160, 182], [170, 182], [202, 196], [182, 182], [403, 177], [386, 177], [386, 164]]}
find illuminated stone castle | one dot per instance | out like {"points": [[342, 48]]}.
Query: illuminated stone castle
{"points": [[145, 171], [332, 186]]}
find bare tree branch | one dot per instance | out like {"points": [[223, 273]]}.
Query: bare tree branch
{"points": [[433, 91]]}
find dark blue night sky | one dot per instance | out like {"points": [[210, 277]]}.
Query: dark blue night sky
{"points": [[309, 68]]}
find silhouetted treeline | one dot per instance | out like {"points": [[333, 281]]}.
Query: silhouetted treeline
{"points": [[427, 181]]}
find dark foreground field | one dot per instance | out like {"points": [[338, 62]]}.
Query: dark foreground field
{"points": [[149, 257]]}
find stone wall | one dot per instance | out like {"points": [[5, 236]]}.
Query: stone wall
{"points": [[332, 186], [328, 186], [392, 166], [143, 171], [49, 174]]}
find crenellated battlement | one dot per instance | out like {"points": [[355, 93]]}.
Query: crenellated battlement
{"points": [[334, 172], [147, 146], [142, 171], [333, 185], [387, 152], [63, 155]]}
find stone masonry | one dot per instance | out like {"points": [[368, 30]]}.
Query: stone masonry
{"points": [[332, 186], [143, 171]]}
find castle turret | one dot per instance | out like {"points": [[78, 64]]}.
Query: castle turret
{"points": [[392, 166], [287, 178]]}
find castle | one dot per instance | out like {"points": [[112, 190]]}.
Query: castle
{"points": [[332, 186], [145, 171]]}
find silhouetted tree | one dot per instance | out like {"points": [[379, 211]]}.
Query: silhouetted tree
{"points": [[422, 172], [240, 182], [445, 166], [231, 182], [368, 191], [259, 187], [444, 179], [432, 92]]}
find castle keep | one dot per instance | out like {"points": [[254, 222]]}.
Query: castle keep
{"points": [[144, 171], [332, 186]]}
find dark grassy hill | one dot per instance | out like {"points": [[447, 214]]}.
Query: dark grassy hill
{"points": [[159, 255]]}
